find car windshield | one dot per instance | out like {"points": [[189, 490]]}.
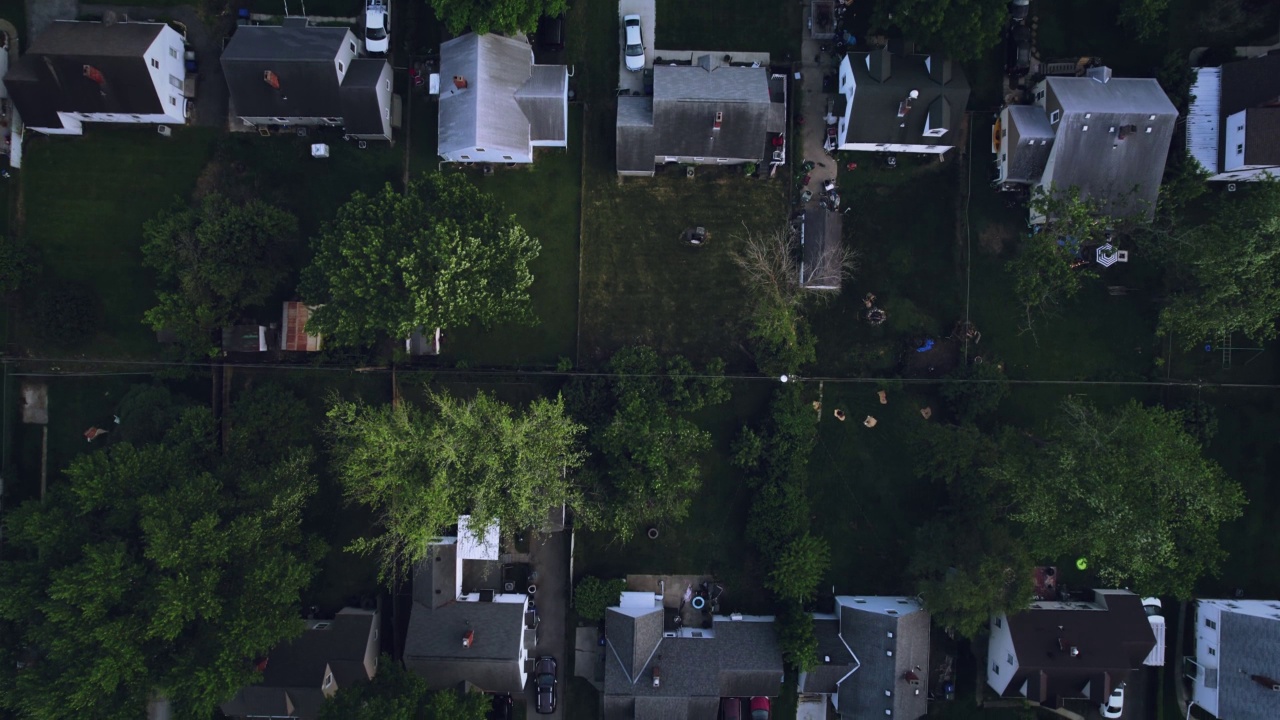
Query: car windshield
{"points": [[375, 33], [759, 715], [634, 50], [546, 680]]}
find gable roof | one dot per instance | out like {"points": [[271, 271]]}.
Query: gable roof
{"points": [[508, 102], [888, 647], [361, 110], [1262, 136], [1124, 175], [634, 634], [302, 57], [434, 649], [1028, 144], [1250, 83], [1251, 644], [880, 85], [50, 78], [835, 662]]}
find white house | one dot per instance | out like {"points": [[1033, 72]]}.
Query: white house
{"points": [[79, 72], [1235, 672], [1233, 124], [496, 104], [900, 103], [300, 75]]}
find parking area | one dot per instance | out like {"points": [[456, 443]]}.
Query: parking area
{"points": [[633, 82], [549, 559]]}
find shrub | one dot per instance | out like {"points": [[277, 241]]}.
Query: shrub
{"points": [[593, 596]]}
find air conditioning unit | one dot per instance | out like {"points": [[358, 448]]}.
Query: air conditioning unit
{"points": [[1231, 187], [164, 130]]}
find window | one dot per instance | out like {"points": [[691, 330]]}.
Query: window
{"points": [[1240, 149], [341, 67], [375, 634], [173, 101], [1213, 652], [136, 117], [353, 46], [1239, 128], [173, 53], [1151, 117], [1210, 624], [698, 159], [333, 121], [1148, 131], [155, 63], [1055, 116], [860, 601], [999, 622], [1004, 157], [375, 662], [995, 668], [1004, 132], [281, 120], [722, 160], [388, 84], [1009, 658], [328, 681], [891, 612], [1040, 95], [1112, 129], [175, 81], [902, 602]]}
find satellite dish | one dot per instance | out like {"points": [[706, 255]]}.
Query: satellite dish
{"points": [[914, 94]]}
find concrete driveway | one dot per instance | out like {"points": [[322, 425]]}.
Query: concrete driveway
{"points": [[549, 558], [627, 80]]}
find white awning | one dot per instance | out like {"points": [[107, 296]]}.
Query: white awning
{"points": [[1203, 118]]}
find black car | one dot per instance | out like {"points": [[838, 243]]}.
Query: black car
{"points": [[544, 682], [500, 707]]}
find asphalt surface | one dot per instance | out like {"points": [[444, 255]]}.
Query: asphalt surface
{"points": [[549, 558], [628, 80]]}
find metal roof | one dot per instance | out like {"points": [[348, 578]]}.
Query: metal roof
{"points": [[1203, 118]]}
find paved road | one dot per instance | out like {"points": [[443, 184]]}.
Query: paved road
{"points": [[628, 80], [549, 557]]}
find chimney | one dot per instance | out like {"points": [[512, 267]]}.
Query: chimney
{"points": [[459, 82], [904, 107], [95, 75], [468, 638], [719, 120], [1101, 73], [657, 673], [271, 79], [1126, 130], [878, 64]]}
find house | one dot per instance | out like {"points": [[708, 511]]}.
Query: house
{"points": [[1106, 136], [293, 329], [1233, 125], [658, 667], [900, 103], [465, 626], [1057, 650], [297, 74], [873, 658], [79, 72], [1235, 673], [300, 675], [497, 105], [706, 112]]}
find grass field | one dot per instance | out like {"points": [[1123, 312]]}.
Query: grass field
{"points": [[84, 201], [744, 26]]}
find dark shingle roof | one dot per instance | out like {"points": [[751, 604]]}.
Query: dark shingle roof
{"points": [[361, 111], [1250, 644], [824, 677], [302, 59], [50, 77], [873, 117], [633, 636], [434, 649], [820, 237], [862, 695], [1250, 83], [437, 572], [1262, 136]]}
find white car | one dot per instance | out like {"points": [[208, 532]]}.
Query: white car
{"points": [[377, 27], [1114, 706], [634, 50]]}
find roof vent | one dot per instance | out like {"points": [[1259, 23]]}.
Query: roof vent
{"points": [[459, 82], [1075, 651], [271, 79], [1102, 73], [468, 638], [826, 659], [889, 634], [719, 119], [888, 653], [888, 693], [657, 674]]}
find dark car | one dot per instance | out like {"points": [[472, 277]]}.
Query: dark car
{"points": [[544, 682], [1019, 48], [731, 709], [551, 32], [500, 707]]}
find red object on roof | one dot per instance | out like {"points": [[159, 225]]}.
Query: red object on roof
{"points": [[293, 329], [94, 74], [271, 79]]}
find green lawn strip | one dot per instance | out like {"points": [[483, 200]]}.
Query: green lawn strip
{"points": [[545, 197], [85, 201], [743, 26], [711, 540], [591, 47]]}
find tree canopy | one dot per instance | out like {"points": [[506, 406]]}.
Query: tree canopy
{"points": [[215, 260], [593, 596], [421, 468], [963, 28], [442, 255], [503, 16], [397, 694], [1129, 490], [644, 448], [158, 568]]}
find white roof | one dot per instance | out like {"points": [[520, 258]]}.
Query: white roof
{"points": [[471, 547], [1203, 117]]}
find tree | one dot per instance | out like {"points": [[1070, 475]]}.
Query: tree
{"points": [[502, 16], [796, 637], [152, 569], [645, 450], [965, 29], [798, 570], [1146, 19], [397, 694], [214, 261], [593, 596], [146, 412], [442, 255], [975, 391], [421, 468], [1129, 490], [1223, 268], [15, 265]]}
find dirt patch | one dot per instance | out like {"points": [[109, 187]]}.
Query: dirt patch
{"points": [[994, 238], [935, 362]]}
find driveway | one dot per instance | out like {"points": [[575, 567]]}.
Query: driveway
{"points": [[627, 80], [211, 88], [549, 558], [815, 64]]}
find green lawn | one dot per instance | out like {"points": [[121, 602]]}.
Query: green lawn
{"points": [[546, 199], [745, 26], [84, 201]]}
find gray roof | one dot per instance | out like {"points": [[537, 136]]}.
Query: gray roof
{"points": [[435, 578], [303, 61], [508, 101], [1262, 136], [835, 660], [633, 637], [1124, 175], [862, 695], [873, 117], [679, 120], [50, 77], [361, 111], [1250, 83], [1028, 143], [820, 237], [1250, 645], [434, 649], [741, 658]]}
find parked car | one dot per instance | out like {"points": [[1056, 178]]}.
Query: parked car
{"points": [[1019, 9], [634, 49], [500, 707], [544, 679], [731, 709], [551, 32], [759, 708], [377, 27], [1019, 48], [1114, 706]]}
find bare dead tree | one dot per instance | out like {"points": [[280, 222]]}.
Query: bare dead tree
{"points": [[770, 263]]}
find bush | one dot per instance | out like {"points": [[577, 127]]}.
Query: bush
{"points": [[798, 569], [593, 596], [977, 390]]}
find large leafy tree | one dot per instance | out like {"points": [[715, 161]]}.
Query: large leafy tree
{"points": [[963, 28], [799, 568], [153, 569], [1129, 490], [397, 694], [214, 261], [420, 468], [504, 16], [593, 596], [442, 255], [645, 449]]}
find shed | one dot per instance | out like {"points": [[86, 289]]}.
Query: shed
{"points": [[293, 329]]}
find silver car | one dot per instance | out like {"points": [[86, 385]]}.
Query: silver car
{"points": [[634, 48]]}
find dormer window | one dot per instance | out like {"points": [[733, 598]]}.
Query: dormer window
{"points": [[1054, 117], [328, 681]]}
